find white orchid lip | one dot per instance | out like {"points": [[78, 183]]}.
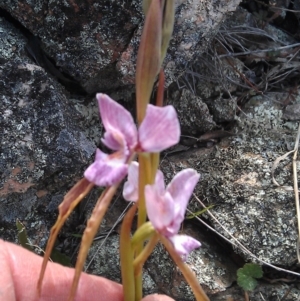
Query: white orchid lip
{"points": [[159, 130]]}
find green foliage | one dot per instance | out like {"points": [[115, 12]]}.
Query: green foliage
{"points": [[247, 276], [77, 235], [56, 256], [194, 214], [22, 236], [60, 258]]}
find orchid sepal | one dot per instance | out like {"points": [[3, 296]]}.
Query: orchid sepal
{"points": [[159, 130], [104, 171]]}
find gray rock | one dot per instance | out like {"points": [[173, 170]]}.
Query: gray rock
{"points": [[292, 112], [43, 148], [96, 42], [222, 109], [236, 176], [194, 115]]}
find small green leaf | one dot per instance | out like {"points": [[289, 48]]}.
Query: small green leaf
{"points": [[61, 258], [22, 236], [247, 274], [77, 235], [194, 214]]}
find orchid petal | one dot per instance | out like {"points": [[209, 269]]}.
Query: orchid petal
{"points": [[106, 170], [181, 188], [100, 155], [160, 129], [184, 244], [175, 225], [117, 122], [130, 190], [159, 182], [114, 140], [160, 208]]}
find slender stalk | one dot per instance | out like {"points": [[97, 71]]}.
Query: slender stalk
{"points": [[143, 256], [186, 271], [144, 174], [246, 296], [142, 214], [71, 200], [148, 167], [155, 157], [126, 256], [89, 234], [296, 191], [145, 177]]}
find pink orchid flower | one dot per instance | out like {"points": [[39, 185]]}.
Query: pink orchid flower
{"points": [[159, 130], [166, 206]]}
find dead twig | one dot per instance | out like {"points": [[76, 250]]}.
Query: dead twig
{"points": [[276, 49], [296, 191]]}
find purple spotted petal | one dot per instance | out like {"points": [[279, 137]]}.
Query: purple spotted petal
{"points": [[160, 129], [106, 170], [118, 123], [184, 244], [160, 208], [181, 188], [130, 190]]}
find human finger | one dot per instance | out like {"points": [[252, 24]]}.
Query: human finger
{"points": [[19, 275]]}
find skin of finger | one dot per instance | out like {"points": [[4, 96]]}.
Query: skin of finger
{"points": [[7, 291], [19, 274], [157, 297]]}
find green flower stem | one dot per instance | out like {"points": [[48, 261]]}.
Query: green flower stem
{"points": [[186, 271], [138, 280], [149, 168], [126, 256], [142, 233], [155, 157], [144, 179], [143, 256]]}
